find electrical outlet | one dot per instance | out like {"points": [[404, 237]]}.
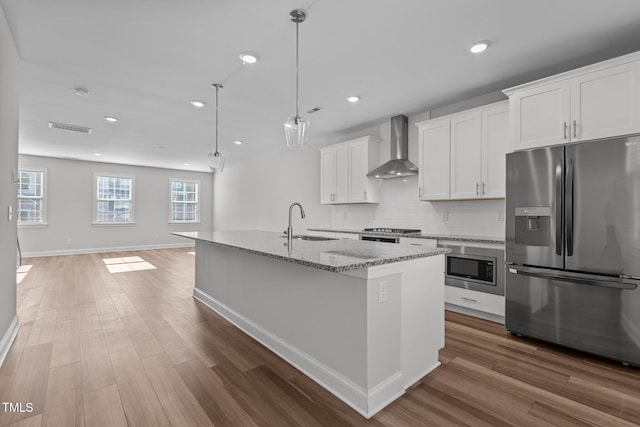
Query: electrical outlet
{"points": [[500, 215], [10, 213], [68, 241], [383, 291]]}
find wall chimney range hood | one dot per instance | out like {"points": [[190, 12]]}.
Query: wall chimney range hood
{"points": [[399, 165]]}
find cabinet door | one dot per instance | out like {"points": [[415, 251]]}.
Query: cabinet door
{"points": [[341, 194], [606, 103], [466, 154], [358, 169], [541, 116], [434, 155], [327, 175], [495, 142]]}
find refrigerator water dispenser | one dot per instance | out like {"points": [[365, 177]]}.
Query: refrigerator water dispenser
{"points": [[533, 226]]}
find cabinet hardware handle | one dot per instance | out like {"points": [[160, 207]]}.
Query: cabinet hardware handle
{"points": [[564, 126], [477, 185], [420, 192], [365, 195], [575, 129], [483, 192], [469, 299]]}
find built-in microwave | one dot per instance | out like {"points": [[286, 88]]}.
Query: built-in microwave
{"points": [[476, 268]]}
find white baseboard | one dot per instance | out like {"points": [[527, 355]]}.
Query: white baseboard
{"points": [[408, 383], [475, 313], [8, 338], [367, 403], [108, 249]]}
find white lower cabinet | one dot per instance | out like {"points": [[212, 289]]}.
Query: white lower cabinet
{"points": [[480, 301], [413, 241]]}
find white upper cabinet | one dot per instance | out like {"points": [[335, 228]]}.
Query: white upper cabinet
{"points": [[598, 101], [462, 156], [328, 176], [433, 162], [495, 144], [341, 191], [466, 152], [344, 169], [540, 116], [606, 103]]}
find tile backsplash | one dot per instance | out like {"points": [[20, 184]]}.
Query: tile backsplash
{"points": [[399, 207]]}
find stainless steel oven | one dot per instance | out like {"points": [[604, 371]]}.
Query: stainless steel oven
{"points": [[475, 268]]}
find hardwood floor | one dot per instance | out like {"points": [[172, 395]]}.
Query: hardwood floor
{"points": [[134, 348]]}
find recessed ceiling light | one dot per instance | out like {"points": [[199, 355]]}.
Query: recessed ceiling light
{"points": [[187, 164], [197, 104], [248, 58], [353, 99], [237, 142], [111, 119], [480, 46], [97, 154], [80, 91]]}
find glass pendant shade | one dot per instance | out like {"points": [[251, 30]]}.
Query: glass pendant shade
{"points": [[216, 162], [296, 131]]}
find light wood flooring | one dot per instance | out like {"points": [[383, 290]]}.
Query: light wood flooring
{"points": [[134, 348]]}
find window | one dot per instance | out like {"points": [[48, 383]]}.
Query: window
{"points": [[184, 201], [31, 196], [114, 199]]}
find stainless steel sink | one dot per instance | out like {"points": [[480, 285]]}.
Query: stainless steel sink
{"points": [[310, 238]]}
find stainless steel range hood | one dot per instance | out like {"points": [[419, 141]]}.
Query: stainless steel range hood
{"points": [[399, 165]]}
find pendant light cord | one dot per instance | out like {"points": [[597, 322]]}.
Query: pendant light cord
{"points": [[297, 70], [217, 90]]}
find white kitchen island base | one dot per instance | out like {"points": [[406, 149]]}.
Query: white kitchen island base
{"points": [[365, 335]]}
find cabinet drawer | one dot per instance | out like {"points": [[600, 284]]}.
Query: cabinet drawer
{"points": [[412, 241], [480, 301]]}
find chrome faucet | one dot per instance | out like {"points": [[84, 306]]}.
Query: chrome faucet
{"points": [[289, 228]]}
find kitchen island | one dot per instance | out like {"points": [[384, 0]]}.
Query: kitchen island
{"points": [[363, 319]]}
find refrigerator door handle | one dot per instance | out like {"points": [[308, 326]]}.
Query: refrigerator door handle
{"points": [[602, 281], [569, 207], [558, 209]]}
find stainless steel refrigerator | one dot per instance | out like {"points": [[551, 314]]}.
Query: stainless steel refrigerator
{"points": [[573, 246]]}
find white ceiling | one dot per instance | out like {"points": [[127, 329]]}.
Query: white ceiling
{"points": [[144, 60]]}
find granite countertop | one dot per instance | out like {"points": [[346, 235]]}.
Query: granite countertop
{"points": [[331, 255], [449, 237]]}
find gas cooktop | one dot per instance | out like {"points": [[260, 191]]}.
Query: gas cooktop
{"points": [[393, 230]]}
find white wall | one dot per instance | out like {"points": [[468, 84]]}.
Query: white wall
{"points": [[70, 209], [9, 102], [257, 195]]}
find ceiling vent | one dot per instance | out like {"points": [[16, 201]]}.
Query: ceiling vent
{"points": [[72, 128]]}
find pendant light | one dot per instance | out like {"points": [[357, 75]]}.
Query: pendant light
{"points": [[296, 129], [216, 160]]}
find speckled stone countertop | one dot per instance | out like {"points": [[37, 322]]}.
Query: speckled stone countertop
{"points": [[449, 237], [332, 255]]}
